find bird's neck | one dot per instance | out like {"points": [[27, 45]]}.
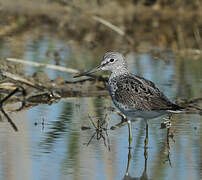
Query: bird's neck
{"points": [[118, 72]]}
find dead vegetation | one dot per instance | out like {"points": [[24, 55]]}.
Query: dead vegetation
{"points": [[138, 24]]}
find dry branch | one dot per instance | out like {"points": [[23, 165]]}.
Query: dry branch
{"points": [[50, 66], [17, 78], [110, 25]]}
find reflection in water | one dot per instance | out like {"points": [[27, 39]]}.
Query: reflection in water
{"points": [[144, 175], [58, 152], [167, 145], [2, 101], [101, 127], [57, 129]]}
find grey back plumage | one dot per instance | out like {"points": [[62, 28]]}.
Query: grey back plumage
{"points": [[137, 93]]}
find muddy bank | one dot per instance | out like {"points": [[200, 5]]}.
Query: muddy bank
{"points": [[39, 88], [133, 26]]}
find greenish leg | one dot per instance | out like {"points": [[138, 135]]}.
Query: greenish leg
{"points": [[128, 164], [130, 134], [146, 138]]}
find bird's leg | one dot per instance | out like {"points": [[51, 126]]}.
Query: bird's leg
{"points": [[122, 123], [145, 161], [118, 125], [146, 137], [130, 133], [128, 164], [123, 117]]}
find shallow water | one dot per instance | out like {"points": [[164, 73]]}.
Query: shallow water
{"points": [[50, 143]]}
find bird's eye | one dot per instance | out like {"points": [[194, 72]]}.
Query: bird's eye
{"points": [[111, 60]]}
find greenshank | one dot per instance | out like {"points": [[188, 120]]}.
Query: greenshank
{"points": [[134, 96]]}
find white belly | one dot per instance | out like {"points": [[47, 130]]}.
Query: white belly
{"points": [[133, 113]]}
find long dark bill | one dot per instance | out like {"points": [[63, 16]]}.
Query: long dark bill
{"points": [[89, 72]]}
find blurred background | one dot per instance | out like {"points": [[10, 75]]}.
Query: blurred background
{"points": [[161, 40]]}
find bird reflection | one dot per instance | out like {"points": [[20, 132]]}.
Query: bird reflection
{"points": [[144, 175]]}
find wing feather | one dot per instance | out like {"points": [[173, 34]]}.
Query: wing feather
{"points": [[140, 94]]}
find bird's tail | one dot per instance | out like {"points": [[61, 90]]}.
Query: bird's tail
{"points": [[176, 109], [193, 106]]}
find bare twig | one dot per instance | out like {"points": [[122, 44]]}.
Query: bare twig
{"points": [[197, 35], [17, 78], [50, 66], [9, 95], [7, 86], [91, 120], [110, 25], [4, 113], [91, 138], [9, 120]]}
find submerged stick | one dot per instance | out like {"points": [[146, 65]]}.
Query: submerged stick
{"points": [[17, 78], [50, 66], [9, 120], [7, 97], [4, 113]]}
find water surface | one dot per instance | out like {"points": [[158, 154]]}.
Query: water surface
{"points": [[50, 143]]}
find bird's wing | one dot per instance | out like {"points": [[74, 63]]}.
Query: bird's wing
{"points": [[141, 94]]}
